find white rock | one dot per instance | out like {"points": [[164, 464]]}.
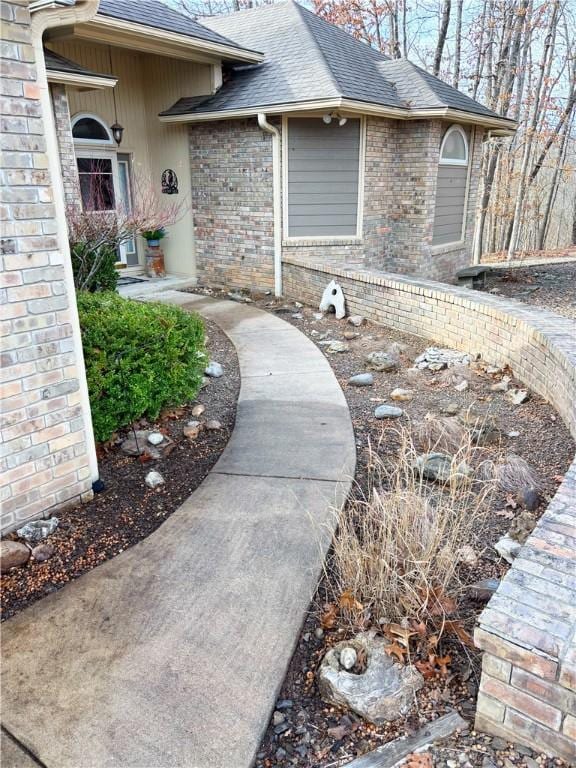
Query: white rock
{"points": [[388, 412], [154, 479], [38, 529], [213, 425], [517, 396], [338, 346], [348, 657], [155, 438], [317, 315], [507, 548], [214, 370], [198, 409], [356, 320], [402, 395], [466, 554], [500, 386], [462, 386], [514, 433], [333, 297]]}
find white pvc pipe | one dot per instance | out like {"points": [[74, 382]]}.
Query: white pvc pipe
{"points": [[277, 199]]}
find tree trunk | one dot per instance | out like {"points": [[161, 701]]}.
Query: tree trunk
{"points": [[442, 36], [458, 45]]}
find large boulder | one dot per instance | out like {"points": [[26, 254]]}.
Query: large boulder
{"points": [[13, 554], [383, 692], [382, 361]]}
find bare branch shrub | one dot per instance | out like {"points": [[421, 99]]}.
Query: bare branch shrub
{"points": [[396, 550], [439, 433], [510, 472]]}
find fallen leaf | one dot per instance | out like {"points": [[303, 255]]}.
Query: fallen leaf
{"points": [[442, 662], [399, 633], [328, 618], [457, 628], [507, 513], [426, 669], [144, 457], [395, 649], [511, 501], [348, 602]]}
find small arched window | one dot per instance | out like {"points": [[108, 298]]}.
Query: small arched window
{"points": [[454, 148], [89, 129]]}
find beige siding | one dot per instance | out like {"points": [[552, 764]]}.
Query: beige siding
{"points": [[146, 85], [450, 203]]}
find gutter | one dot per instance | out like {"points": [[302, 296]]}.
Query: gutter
{"points": [[277, 199]]}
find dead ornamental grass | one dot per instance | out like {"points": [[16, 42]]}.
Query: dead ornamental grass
{"points": [[397, 547]]}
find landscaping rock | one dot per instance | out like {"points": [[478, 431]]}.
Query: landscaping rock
{"points": [[333, 297], [356, 320], [38, 529], [155, 438], [349, 335], [521, 527], [43, 552], [436, 358], [462, 386], [192, 430], [348, 657], [338, 346], [12, 555], [517, 396], [214, 370], [198, 409], [484, 589], [467, 555], [507, 548], [451, 409], [382, 361], [402, 395], [213, 425], [154, 479], [382, 693], [388, 412], [136, 444], [278, 718], [529, 498], [361, 380], [438, 467]]}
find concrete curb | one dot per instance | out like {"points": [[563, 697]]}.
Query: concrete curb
{"points": [[171, 655]]}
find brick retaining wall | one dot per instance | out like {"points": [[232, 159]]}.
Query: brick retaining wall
{"points": [[44, 460], [528, 630]]}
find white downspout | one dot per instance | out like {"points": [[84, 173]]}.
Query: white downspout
{"points": [[277, 199]]}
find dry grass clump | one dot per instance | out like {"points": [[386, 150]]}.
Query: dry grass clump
{"points": [[438, 433], [511, 473], [396, 550]]}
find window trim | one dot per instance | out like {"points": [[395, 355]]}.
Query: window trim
{"points": [[447, 161], [91, 142], [326, 239]]}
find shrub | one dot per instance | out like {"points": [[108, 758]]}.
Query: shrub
{"points": [[94, 271], [139, 358]]}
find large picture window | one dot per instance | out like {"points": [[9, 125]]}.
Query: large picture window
{"points": [[451, 187], [323, 177]]}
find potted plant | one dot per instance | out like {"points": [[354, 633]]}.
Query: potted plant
{"points": [[153, 236], [154, 254]]}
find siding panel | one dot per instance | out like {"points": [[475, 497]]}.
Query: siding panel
{"points": [[450, 204], [323, 172]]}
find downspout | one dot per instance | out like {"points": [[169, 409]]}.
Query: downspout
{"points": [[277, 199], [45, 16]]}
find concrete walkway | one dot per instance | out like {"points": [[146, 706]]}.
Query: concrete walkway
{"points": [[171, 655]]}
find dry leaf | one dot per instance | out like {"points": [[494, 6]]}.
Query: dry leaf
{"points": [[348, 602], [507, 513], [426, 669], [442, 662], [457, 628], [395, 649], [328, 618], [511, 501]]}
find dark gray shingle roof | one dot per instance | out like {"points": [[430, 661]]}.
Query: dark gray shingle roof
{"points": [[153, 13], [307, 59], [57, 63]]}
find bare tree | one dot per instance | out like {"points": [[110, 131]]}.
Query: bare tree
{"points": [[442, 34]]}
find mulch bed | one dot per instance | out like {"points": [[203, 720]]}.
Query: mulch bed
{"points": [[550, 287], [127, 510], [315, 735]]}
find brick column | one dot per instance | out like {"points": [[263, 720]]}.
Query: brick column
{"points": [[45, 438], [69, 168]]}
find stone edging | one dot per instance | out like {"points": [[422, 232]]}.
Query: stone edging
{"points": [[528, 630]]}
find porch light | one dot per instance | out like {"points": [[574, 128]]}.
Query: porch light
{"points": [[327, 119], [342, 121], [117, 131]]}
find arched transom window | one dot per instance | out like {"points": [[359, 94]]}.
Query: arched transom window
{"points": [[451, 187], [89, 129]]}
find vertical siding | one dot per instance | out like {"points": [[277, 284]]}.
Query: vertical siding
{"points": [[450, 203], [323, 174], [147, 84]]}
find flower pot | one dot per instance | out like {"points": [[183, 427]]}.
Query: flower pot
{"points": [[153, 243], [155, 262]]}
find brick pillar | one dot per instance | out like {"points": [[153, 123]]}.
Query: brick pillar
{"points": [[46, 445], [70, 179]]}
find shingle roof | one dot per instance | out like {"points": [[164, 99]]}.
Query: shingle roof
{"points": [[307, 59], [153, 13], [57, 63]]}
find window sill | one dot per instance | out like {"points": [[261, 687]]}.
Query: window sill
{"points": [[312, 241], [436, 250]]}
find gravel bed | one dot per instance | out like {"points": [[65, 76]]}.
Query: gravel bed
{"points": [[550, 287], [127, 510]]}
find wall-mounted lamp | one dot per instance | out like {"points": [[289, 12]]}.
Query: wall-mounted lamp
{"points": [[117, 131], [334, 116], [327, 119]]}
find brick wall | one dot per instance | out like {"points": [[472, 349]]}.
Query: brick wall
{"points": [[231, 165], [43, 453], [69, 168], [232, 204], [528, 630]]}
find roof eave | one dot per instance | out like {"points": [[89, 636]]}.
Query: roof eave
{"points": [[84, 81], [100, 25], [504, 124]]}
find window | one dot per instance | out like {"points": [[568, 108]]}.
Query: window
{"points": [[96, 183], [451, 187], [323, 177], [89, 129]]}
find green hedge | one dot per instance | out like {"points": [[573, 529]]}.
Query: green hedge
{"points": [[139, 357]]}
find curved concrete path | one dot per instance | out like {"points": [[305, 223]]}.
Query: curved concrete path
{"points": [[171, 655]]}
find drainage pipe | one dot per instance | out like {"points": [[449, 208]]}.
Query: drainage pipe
{"points": [[277, 199]]}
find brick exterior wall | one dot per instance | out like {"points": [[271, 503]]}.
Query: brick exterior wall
{"points": [[528, 630], [69, 168], [43, 452], [231, 165], [232, 203]]}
